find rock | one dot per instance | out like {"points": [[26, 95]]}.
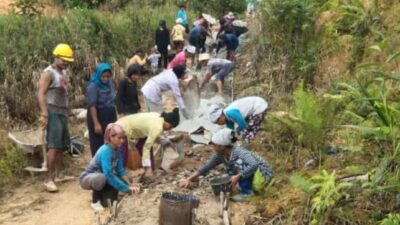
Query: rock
{"points": [[189, 153], [198, 145], [310, 163]]}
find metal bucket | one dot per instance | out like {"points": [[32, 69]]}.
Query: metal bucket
{"points": [[221, 183], [177, 209]]}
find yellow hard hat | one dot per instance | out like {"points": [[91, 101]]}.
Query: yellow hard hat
{"points": [[64, 52]]}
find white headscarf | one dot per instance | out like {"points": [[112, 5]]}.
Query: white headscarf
{"points": [[223, 137], [215, 112]]}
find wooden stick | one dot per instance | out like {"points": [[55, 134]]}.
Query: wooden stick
{"points": [[221, 201]]}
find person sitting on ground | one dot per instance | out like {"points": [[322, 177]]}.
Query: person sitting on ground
{"points": [[146, 128], [247, 113], [140, 58], [154, 59], [105, 175], [248, 172], [230, 41], [100, 105], [54, 112], [165, 81], [163, 42], [178, 35], [127, 94], [180, 58], [220, 68]]}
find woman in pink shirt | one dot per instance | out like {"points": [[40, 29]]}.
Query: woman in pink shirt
{"points": [[180, 58]]}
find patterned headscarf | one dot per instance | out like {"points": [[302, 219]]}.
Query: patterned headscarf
{"points": [[112, 129]]}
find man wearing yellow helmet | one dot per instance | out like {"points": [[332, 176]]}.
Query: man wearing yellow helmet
{"points": [[53, 102]]}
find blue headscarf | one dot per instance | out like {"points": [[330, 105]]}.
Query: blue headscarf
{"points": [[96, 76]]}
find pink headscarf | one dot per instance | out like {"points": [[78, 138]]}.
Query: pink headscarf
{"points": [[112, 129]]}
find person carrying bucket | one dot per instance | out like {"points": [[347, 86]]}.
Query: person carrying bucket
{"points": [[54, 112], [248, 172], [105, 175], [246, 113]]}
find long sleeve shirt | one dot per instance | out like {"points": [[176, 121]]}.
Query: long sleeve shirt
{"points": [[239, 110], [242, 162], [182, 14], [109, 162], [165, 81], [162, 39], [141, 125], [179, 59], [100, 98], [127, 97], [178, 33]]}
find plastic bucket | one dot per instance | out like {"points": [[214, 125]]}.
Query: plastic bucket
{"points": [[177, 209], [220, 183]]}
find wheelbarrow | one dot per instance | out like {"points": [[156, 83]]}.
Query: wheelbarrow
{"points": [[29, 141]]}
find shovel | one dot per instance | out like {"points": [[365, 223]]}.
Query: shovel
{"points": [[44, 153]]}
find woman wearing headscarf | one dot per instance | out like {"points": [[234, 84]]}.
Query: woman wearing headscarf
{"points": [[246, 113], [105, 174], [248, 172], [163, 42], [178, 35], [100, 105]]}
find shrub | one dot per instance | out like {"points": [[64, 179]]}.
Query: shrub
{"points": [[26, 45], [12, 160]]}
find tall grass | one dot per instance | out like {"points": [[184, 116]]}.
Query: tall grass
{"points": [[26, 45]]}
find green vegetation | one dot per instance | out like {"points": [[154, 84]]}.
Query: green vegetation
{"points": [[12, 160], [26, 45], [329, 67]]}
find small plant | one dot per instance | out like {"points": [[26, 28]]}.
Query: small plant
{"points": [[327, 194], [391, 219], [311, 120], [12, 160], [28, 7]]}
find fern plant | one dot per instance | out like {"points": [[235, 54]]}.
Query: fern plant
{"points": [[327, 194], [391, 219], [311, 120]]}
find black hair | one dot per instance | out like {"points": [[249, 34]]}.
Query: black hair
{"points": [[163, 24], [134, 69], [179, 71], [139, 51], [234, 138], [171, 117]]}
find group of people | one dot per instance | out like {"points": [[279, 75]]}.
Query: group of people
{"points": [[114, 118]]}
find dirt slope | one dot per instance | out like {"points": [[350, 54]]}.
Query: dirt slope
{"points": [[5, 6]]}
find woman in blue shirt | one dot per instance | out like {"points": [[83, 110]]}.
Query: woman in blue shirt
{"points": [[100, 105], [105, 174]]}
